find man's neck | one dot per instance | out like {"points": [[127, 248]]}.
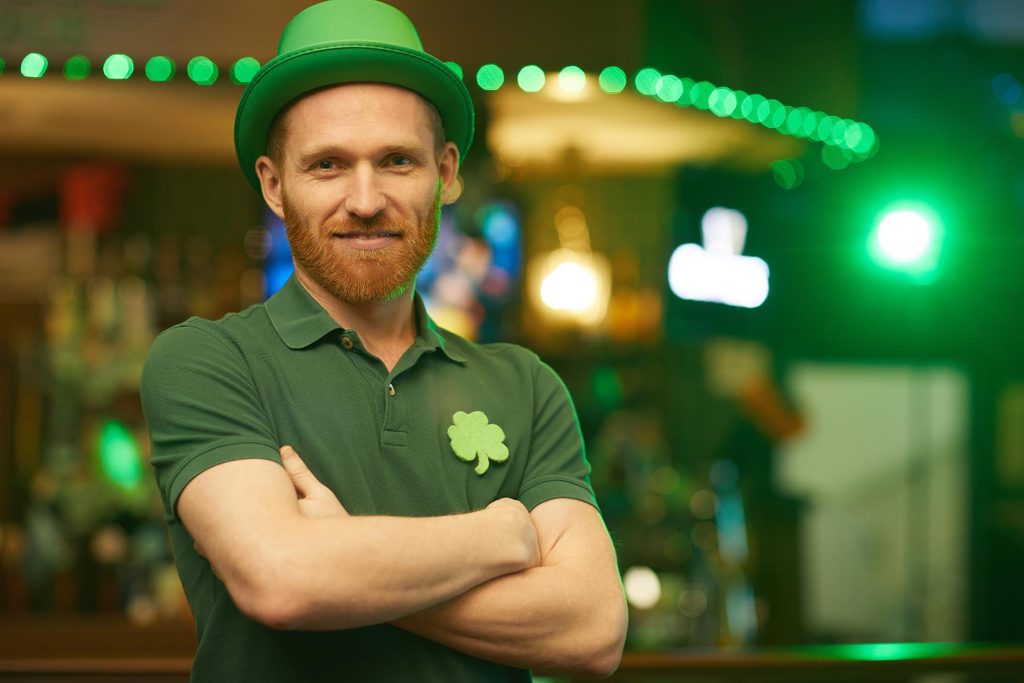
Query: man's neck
{"points": [[386, 328]]}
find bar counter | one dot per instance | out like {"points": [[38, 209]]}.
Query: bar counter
{"points": [[65, 649]]}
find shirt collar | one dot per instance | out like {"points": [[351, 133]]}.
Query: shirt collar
{"points": [[300, 321]]}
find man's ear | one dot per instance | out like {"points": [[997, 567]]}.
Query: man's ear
{"points": [[448, 168], [270, 184]]}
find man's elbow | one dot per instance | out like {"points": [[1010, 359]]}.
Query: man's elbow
{"points": [[275, 607], [600, 651]]}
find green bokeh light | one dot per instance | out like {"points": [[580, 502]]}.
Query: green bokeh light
{"points": [[834, 158], [118, 67], [77, 68], [244, 70], [120, 459], [160, 69], [825, 128], [646, 81], [2, 65], [776, 114], [907, 237], [669, 88], [612, 80], [34, 65], [701, 94], [754, 106], [456, 69], [868, 143], [741, 100], [490, 77], [572, 79], [202, 71], [722, 101], [794, 123], [788, 173], [838, 136], [531, 78], [811, 121], [686, 99]]}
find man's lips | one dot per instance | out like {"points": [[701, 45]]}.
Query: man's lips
{"points": [[367, 240]]}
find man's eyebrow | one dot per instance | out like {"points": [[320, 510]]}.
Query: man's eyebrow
{"points": [[333, 151]]}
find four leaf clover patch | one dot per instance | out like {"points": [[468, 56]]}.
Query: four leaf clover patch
{"points": [[473, 437]]}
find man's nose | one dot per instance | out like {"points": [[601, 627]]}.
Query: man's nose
{"points": [[364, 197]]}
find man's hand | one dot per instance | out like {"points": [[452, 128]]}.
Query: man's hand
{"points": [[315, 499], [521, 524]]}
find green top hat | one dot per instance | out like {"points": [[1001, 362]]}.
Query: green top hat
{"points": [[347, 41]]}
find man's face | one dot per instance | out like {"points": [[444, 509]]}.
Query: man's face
{"points": [[361, 183]]}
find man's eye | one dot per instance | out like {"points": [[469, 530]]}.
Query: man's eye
{"points": [[400, 160], [325, 165]]}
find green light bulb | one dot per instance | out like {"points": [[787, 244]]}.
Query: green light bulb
{"points": [[490, 77], [669, 88], [160, 69], [202, 71], [572, 79], [811, 121], [788, 173], [904, 237], [776, 114], [838, 136], [757, 110], [646, 81], [244, 70], [868, 143], [120, 459], [702, 94], [741, 99], [77, 68], [531, 78], [33, 65], [456, 69], [612, 80], [834, 158], [722, 101], [118, 67]]}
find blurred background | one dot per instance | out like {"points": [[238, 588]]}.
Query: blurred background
{"points": [[773, 248]]}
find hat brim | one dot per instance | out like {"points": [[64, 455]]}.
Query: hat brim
{"points": [[296, 73]]}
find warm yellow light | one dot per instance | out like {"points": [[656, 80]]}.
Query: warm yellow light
{"points": [[571, 286]]}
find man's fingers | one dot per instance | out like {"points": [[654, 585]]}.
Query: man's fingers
{"points": [[302, 479]]}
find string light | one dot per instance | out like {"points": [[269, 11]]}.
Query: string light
{"points": [[490, 77], [34, 65], [244, 70], [160, 69], [202, 71], [118, 67], [854, 141], [77, 68]]}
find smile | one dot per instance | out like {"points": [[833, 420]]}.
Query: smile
{"points": [[374, 240]]}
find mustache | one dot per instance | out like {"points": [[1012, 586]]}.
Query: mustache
{"points": [[374, 225]]}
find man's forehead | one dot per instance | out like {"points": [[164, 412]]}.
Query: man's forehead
{"points": [[359, 96]]}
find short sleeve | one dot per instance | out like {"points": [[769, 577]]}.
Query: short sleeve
{"points": [[201, 407], [558, 466]]}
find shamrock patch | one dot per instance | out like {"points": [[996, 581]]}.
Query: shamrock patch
{"points": [[472, 437]]}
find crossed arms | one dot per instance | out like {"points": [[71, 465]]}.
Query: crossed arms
{"points": [[537, 590]]}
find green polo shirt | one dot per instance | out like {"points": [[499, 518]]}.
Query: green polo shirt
{"points": [[284, 372]]}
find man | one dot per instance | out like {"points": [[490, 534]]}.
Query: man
{"points": [[433, 518]]}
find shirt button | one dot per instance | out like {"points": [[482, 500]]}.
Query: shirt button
{"points": [[391, 390], [347, 343]]}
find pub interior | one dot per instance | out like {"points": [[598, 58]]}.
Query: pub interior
{"points": [[772, 248]]}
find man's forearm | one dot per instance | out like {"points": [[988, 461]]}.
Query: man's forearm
{"points": [[287, 569], [358, 571], [565, 616]]}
